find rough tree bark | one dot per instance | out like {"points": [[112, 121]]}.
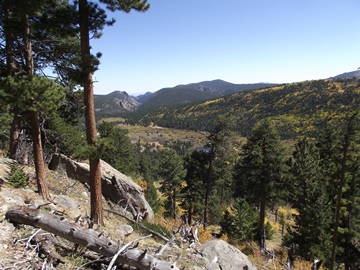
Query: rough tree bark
{"points": [[10, 71], [95, 169], [34, 115], [89, 238]]}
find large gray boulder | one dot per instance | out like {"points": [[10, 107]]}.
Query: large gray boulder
{"points": [[116, 187], [229, 257]]}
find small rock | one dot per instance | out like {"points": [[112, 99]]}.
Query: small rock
{"points": [[124, 230]]}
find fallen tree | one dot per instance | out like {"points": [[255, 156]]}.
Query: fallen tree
{"points": [[88, 238]]}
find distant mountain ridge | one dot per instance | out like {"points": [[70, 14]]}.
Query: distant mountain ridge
{"points": [[348, 75], [115, 102], [194, 92], [119, 101]]}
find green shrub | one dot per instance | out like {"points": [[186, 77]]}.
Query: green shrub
{"points": [[17, 177]]}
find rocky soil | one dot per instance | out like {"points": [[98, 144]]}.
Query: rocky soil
{"points": [[26, 247]]}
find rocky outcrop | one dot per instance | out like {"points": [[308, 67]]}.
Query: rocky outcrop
{"points": [[228, 256], [116, 187]]}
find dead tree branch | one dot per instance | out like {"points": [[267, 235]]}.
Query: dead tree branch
{"points": [[87, 238]]}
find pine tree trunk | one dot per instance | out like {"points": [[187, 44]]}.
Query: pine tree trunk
{"points": [[262, 220], [14, 134], [95, 172], [190, 213], [10, 71], [34, 117], [9, 40], [208, 185], [38, 156], [173, 203]]}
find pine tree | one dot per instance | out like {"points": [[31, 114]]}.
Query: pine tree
{"points": [[87, 13], [172, 174], [260, 171], [116, 148], [339, 150], [192, 194], [21, 25], [241, 221], [218, 141], [310, 198]]}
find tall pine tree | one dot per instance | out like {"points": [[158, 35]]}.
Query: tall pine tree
{"points": [[259, 172], [309, 196]]}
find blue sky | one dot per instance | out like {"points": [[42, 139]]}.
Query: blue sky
{"points": [[239, 41]]}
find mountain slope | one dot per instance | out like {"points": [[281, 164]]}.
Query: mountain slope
{"points": [[298, 108], [194, 92], [115, 102], [348, 75]]}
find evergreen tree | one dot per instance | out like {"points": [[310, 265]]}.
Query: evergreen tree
{"points": [[116, 148], [172, 174], [310, 198], [192, 194], [339, 149], [148, 169], [260, 171], [241, 221], [21, 24], [218, 141], [93, 18]]}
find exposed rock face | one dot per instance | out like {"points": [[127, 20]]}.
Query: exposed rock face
{"points": [[116, 187], [229, 257], [115, 102]]}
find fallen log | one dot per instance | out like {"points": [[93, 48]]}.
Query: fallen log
{"points": [[88, 238]]}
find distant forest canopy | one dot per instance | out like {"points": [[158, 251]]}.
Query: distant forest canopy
{"points": [[297, 109]]}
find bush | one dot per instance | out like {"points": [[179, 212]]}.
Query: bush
{"points": [[17, 177]]}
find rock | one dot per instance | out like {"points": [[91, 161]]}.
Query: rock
{"points": [[116, 187], [66, 202], [229, 257], [124, 230]]}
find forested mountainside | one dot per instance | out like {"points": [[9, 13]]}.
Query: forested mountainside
{"points": [[297, 108], [121, 102], [188, 93]]}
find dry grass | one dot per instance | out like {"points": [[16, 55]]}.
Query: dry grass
{"points": [[159, 136]]}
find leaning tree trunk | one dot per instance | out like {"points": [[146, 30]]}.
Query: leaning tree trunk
{"points": [[96, 212], [88, 238], [34, 115]]}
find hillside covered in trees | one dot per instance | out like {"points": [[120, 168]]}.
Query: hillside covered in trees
{"points": [[298, 108]]}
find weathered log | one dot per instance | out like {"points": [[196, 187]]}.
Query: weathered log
{"points": [[138, 224], [89, 238]]}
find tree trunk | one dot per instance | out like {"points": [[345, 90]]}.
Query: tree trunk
{"points": [[208, 185], [34, 117], [14, 134], [10, 71], [88, 238], [190, 210], [38, 156], [173, 203], [262, 220], [95, 170]]}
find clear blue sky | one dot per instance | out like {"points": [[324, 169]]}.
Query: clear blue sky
{"points": [[239, 41]]}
